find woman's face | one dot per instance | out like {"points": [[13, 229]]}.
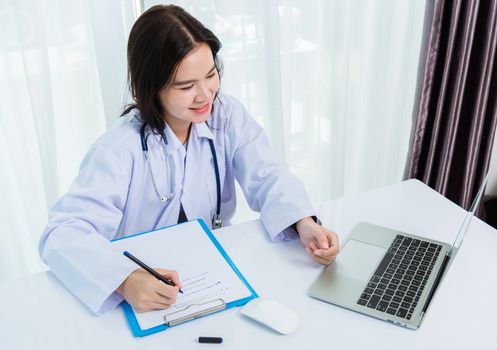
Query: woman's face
{"points": [[189, 98]]}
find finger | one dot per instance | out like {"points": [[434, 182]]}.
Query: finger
{"points": [[145, 307], [334, 240], [321, 256], [333, 244], [311, 252], [166, 291], [142, 305], [172, 275], [313, 247], [160, 306], [327, 252], [321, 260], [157, 292], [320, 236], [165, 302], [332, 257], [175, 278], [322, 239], [325, 255], [161, 303]]}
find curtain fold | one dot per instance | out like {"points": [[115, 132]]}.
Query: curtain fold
{"points": [[455, 114], [331, 81], [59, 62]]}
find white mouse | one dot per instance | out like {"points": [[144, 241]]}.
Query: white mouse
{"points": [[271, 314]]}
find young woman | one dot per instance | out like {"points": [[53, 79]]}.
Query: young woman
{"points": [[174, 157]]}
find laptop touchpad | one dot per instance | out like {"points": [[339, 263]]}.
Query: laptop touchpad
{"points": [[358, 260]]}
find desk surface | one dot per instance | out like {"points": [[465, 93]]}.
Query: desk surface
{"points": [[37, 312]]}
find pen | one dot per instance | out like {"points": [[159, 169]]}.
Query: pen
{"points": [[150, 270]]}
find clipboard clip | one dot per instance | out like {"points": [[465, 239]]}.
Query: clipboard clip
{"points": [[198, 310]]}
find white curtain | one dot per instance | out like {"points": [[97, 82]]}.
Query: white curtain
{"points": [[62, 81], [331, 81]]}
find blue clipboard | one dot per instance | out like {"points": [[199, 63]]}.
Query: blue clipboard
{"points": [[130, 314]]}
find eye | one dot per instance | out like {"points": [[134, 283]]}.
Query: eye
{"points": [[186, 87], [211, 75]]}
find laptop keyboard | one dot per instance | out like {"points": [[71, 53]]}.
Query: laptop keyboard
{"points": [[399, 280]]}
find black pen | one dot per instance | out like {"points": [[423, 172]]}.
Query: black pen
{"points": [[150, 270]]}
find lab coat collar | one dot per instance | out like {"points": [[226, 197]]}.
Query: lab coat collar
{"points": [[198, 130], [202, 130], [173, 142]]}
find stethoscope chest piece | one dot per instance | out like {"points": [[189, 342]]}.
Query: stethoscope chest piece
{"points": [[216, 222]]}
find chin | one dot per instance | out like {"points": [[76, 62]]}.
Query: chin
{"points": [[200, 118], [197, 120]]}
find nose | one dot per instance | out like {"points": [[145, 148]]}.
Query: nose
{"points": [[203, 92]]}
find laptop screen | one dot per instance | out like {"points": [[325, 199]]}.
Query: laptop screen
{"points": [[467, 218]]}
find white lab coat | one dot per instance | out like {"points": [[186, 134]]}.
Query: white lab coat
{"points": [[113, 196]]}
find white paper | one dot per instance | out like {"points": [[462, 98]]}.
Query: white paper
{"points": [[205, 274]]}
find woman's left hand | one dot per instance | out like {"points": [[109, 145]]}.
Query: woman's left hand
{"points": [[319, 242]]}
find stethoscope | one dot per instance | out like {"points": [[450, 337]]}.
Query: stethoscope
{"points": [[216, 220]]}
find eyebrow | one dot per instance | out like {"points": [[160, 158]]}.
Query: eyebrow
{"points": [[184, 82]]}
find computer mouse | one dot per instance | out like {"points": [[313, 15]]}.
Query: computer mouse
{"points": [[271, 314]]}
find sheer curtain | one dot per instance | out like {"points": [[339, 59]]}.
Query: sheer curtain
{"points": [[331, 81], [62, 81]]}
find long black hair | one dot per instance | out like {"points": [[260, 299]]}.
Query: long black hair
{"points": [[159, 40]]}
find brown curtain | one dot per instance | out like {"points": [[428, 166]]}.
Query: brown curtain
{"points": [[455, 111]]}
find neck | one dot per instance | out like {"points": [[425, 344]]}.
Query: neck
{"points": [[181, 130]]}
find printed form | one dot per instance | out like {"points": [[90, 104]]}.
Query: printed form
{"points": [[208, 279]]}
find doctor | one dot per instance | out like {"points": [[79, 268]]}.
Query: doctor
{"points": [[175, 157]]}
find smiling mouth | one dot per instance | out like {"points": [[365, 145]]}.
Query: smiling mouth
{"points": [[201, 107]]}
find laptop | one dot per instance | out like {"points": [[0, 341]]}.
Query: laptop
{"points": [[388, 274]]}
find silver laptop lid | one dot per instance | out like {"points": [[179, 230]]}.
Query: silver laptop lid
{"points": [[467, 219]]}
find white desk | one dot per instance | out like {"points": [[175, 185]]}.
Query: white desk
{"points": [[39, 313]]}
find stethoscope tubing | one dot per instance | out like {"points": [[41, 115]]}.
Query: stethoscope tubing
{"points": [[216, 221]]}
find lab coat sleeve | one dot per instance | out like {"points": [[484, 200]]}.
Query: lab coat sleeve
{"points": [[76, 242], [266, 180]]}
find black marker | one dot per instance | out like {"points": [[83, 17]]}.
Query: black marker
{"points": [[150, 270], [210, 340]]}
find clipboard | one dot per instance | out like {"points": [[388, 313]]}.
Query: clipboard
{"points": [[191, 311]]}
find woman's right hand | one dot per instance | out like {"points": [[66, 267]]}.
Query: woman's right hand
{"points": [[144, 292]]}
